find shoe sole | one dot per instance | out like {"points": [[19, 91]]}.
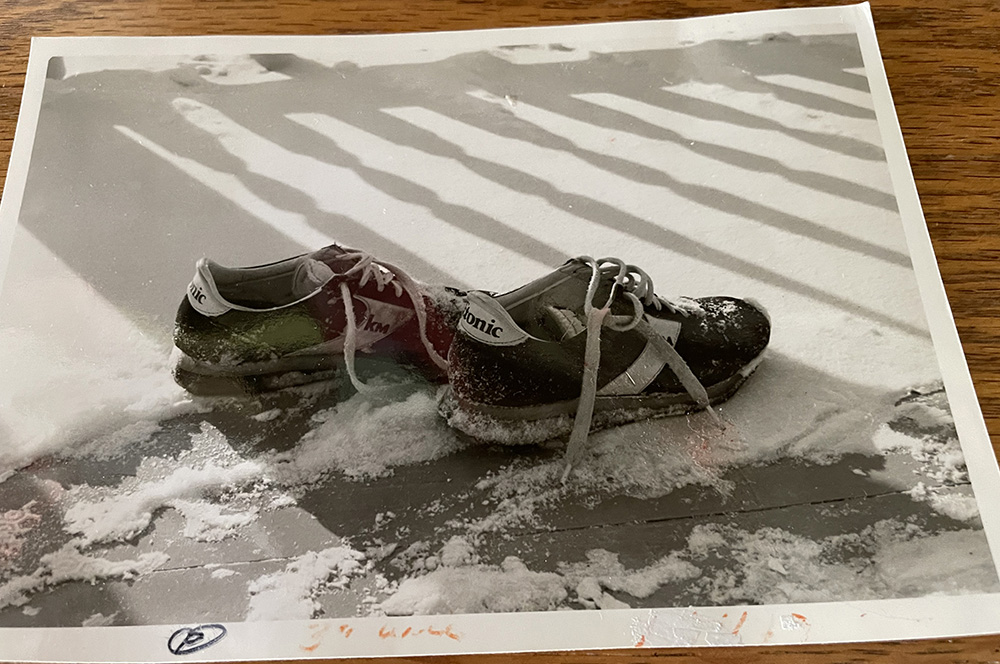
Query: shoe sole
{"points": [[537, 424], [206, 380], [251, 379]]}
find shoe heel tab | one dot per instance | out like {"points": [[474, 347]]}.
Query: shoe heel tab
{"points": [[203, 294], [486, 320]]}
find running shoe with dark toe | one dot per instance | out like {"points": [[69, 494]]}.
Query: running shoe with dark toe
{"points": [[313, 317], [590, 346]]}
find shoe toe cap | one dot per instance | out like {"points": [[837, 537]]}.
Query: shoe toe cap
{"points": [[730, 334]]}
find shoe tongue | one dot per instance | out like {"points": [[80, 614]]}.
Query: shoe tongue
{"points": [[576, 270], [566, 287], [310, 275], [574, 290]]}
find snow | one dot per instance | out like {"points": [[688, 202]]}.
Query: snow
{"points": [[591, 596], [773, 566], [268, 415], [368, 434], [290, 593], [960, 506], [477, 589], [69, 564], [937, 449], [292, 225], [105, 514], [776, 566], [457, 551], [610, 574], [652, 458], [210, 522], [341, 191], [61, 383]]}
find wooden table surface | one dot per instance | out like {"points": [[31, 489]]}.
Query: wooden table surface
{"points": [[942, 58]]}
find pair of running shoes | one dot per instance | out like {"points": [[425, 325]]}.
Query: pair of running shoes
{"points": [[587, 346]]}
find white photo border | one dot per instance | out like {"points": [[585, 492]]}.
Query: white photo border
{"points": [[827, 622]]}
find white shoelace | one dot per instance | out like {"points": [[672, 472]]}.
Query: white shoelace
{"points": [[637, 287], [383, 274]]}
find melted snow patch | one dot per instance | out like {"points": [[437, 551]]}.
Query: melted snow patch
{"points": [[479, 589], [945, 563], [118, 442], [290, 594], [106, 514], [886, 560]]}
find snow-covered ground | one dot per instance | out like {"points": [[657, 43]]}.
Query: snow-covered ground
{"points": [[744, 168]]}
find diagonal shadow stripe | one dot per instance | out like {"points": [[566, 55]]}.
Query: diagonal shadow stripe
{"points": [[227, 185], [621, 74], [404, 189], [821, 58], [301, 139], [601, 115], [812, 100], [708, 110], [817, 101], [709, 197], [351, 93], [740, 64], [611, 217]]}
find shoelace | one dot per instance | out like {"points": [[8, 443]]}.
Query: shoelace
{"points": [[637, 287], [383, 274]]}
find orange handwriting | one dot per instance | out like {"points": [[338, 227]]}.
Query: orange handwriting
{"points": [[739, 625]]}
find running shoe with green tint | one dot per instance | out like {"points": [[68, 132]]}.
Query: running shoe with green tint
{"points": [[313, 317], [590, 346]]}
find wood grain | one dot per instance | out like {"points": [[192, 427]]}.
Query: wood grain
{"points": [[944, 72]]}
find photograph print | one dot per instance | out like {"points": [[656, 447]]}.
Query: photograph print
{"points": [[573, 321]]}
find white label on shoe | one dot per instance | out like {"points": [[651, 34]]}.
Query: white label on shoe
{"points": [[647, 366], [638, 376], [668, 329], [202, 295], [487, 321]]}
